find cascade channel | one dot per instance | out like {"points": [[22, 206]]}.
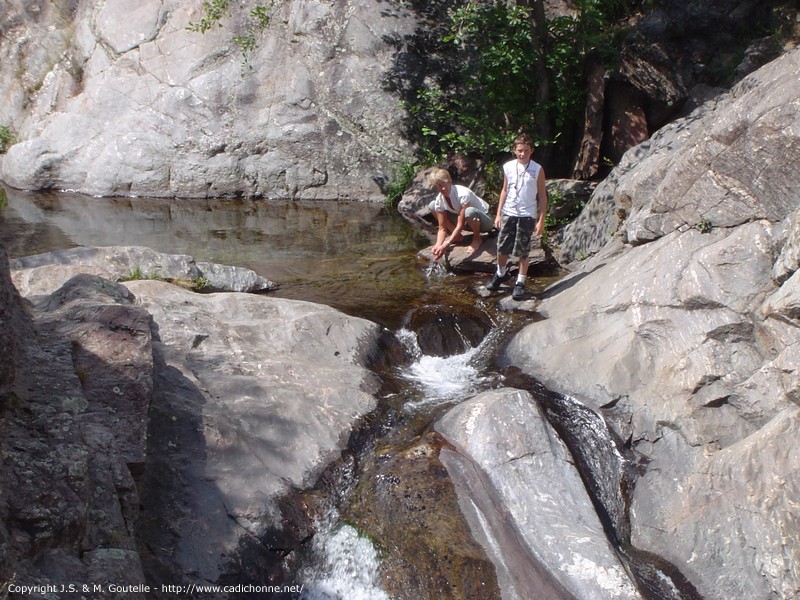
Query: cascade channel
{"points": [[384, 517]]}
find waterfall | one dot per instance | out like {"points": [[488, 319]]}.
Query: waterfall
{"points": [[345, 565], [442, 379]]}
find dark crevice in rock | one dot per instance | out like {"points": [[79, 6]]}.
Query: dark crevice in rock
{"points": [[609, 469]]}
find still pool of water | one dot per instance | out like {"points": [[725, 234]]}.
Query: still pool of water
{"points": [[357, 257]]}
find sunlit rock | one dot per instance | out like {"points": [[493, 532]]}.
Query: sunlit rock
{"points": [[680, 325]]}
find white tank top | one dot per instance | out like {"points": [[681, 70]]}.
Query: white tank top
{"points": [[521, 188]]}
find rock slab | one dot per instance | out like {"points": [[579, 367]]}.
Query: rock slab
{"points": [[680, 326], [526, 502]]}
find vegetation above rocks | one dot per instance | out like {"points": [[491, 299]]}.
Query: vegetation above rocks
{"points": [[7, 138], [197, 284], [213, 12], [522, 72]]}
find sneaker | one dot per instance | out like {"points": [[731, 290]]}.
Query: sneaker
{"points": [[496, 280], [519, 291]]}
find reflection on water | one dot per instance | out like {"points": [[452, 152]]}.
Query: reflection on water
{"points": [[355, 256]]}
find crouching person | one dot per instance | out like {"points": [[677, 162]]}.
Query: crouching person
{"points": [[457, 207]]}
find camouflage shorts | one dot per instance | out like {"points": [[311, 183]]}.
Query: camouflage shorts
{"points": [[515, 236]]}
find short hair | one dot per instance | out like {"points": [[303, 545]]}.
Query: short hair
{"points": [[439, 176], [523, 138]]}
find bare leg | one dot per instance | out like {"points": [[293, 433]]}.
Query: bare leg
{"points": [[502, 259], [475, 226], [523, 265]]}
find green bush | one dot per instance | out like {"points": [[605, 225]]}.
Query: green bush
{"points": [[516, 73], [7, 138], [257, 20], [402, 177]]}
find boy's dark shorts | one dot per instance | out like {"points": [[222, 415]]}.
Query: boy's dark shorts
{"points": [[515, 236]]}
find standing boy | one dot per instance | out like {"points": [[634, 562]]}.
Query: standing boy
{"points": [[456, 207], [520, 213]]}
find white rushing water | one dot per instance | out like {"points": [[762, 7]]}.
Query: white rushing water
{"points": [[441, 379], [345, 566]]}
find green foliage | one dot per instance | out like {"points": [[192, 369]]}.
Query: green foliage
{"points": [[7, 138], [703, 226], [493, 184], [401, 179], [492, 97], [3, 198], [215, 10], [258, 20], [138, 275], [550, 221], [197, 284]]}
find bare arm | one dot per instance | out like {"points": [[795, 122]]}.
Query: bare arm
{"points": [[541, 199], [502, 201], [443, 241]]}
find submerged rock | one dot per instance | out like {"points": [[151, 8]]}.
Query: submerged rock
{"points": [[406, 503], [443, 330]]}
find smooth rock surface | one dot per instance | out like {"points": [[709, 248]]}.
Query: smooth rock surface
{"points": [[253, 396], [682, 330], [526, 502], [180, 418], [108, 100], [43, 273]]}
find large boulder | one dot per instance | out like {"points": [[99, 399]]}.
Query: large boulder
{"points": [[526, 503], [144, 408], [253, 397], [74, 420], [112, 101], [682, 330]]}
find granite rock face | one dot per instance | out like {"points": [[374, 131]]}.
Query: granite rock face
{"points": [[526, 503], [259, 394], [143, 412], [682, 331], [74, 417], [106, 100]]}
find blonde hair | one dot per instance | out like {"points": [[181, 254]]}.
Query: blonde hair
{"points": [[439, 176]]}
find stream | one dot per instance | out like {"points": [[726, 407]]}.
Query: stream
{"points": [[361, 259]]}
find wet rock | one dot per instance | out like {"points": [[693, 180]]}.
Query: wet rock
{"points": [[461, 259], [526, 503], [447, 330], [406, 503]]}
